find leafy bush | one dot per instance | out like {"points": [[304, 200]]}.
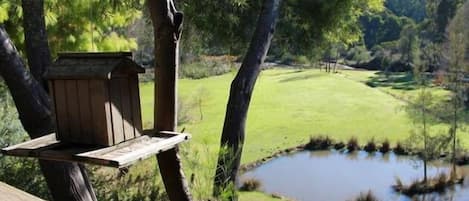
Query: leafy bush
{"points": [[191, 109], [250, 185], [148, 76], [359, 55], [206, 67], [184, 109], [302, 60], [287, 59]]}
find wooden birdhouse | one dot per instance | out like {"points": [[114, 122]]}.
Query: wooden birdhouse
{"points": [[96, 98]]}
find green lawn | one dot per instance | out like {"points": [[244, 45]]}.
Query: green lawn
{"points": [[257, 196], [400, 85], [288, 107]]}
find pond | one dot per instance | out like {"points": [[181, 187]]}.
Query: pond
{"points": [[336, 176]]}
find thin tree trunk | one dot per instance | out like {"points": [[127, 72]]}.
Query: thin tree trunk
{"points": [[454, 128], [425, 137], [336, 60], [167, 24], [232, 139], [66, 181]]}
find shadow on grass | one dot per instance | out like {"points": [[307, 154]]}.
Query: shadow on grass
{"points": [[401, 81], [287, 73], [300, 77]]}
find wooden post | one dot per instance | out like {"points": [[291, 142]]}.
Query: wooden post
{"points": [[167, 23]]}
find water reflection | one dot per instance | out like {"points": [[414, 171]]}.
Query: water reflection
{"points": [[335, 176]]}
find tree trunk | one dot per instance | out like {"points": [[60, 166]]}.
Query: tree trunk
{"points": [[66, 181], [232, 139], [336, 60], [37, 48], [167, 24]]}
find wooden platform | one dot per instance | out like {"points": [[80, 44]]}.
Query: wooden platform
{"points": [[121, 155], [10, 193]]}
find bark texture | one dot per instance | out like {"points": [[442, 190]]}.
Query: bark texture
{"points": [[232, 139], [167, 24], [66, 181], [37, 47]]}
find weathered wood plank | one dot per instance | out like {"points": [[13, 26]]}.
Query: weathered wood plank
{"points": [[143, 151], [126, 109], [50, 84], [61, 109], [135, 102], [121, 155], [73, 111], [33, 144], [84, 106], [116, 112], [101, 108], [10, 193]]}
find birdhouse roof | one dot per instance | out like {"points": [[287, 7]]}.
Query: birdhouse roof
{"points": [[93, 66]]}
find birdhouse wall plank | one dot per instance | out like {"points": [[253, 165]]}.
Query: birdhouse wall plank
{"points": [[116, 108], [73, 112], [135, 102], [101, 108], [84, 106], [52, 98], [126, 108], [61, 109]]}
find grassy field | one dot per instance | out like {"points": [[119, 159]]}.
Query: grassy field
{"points": [[400, 85], [288, 107]]}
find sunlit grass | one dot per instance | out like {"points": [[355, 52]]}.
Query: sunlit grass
{"points": [[287, 108]]}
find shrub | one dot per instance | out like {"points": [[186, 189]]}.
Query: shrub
{"points": [[276, 196], [148, 76], [435, 184], [250, 185], [370, 146], [339, 145], [287, 59], [385, 146], [184, 110], [319, 143], [366, 197], [139, 184], [399, 149], [352, 144], [302, 60], [207, 66], [440, 182]]}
